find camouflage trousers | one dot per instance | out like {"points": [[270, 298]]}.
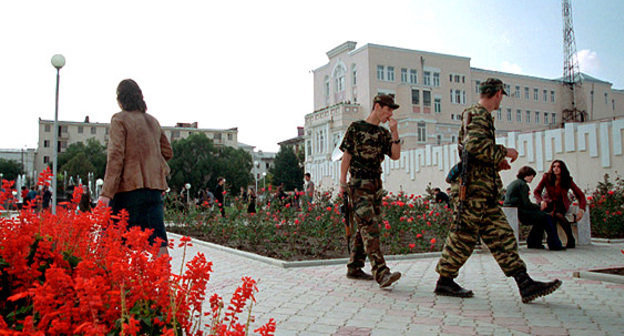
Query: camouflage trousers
{"points": [[366, 195], [486, 219]]}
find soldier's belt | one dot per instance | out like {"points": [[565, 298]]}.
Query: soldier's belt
{"points": [[367, 176]]}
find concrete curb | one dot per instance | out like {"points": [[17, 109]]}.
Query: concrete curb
{"points": [[608, 240], [599, 276], [311, 263]]}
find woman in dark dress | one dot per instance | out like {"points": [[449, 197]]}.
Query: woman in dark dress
{"points": [[251, 198]]}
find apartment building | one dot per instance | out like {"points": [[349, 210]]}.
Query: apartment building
{"points": [[70, 132], [433, 89]]}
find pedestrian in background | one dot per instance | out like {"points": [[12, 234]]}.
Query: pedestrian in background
{"points": [[220, 195], [136, 163]]}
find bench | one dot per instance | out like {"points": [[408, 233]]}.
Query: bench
{"points": [[581, 230]]}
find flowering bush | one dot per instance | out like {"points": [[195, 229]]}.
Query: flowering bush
{"points": [[299, 231], [607, 208], [83, 273]]}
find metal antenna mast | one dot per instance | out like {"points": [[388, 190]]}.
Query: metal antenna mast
{"points": [[572, 78]]}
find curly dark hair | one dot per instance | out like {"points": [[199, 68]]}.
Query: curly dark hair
{"points": [[130, 96], [566, 179], [526, 171]]}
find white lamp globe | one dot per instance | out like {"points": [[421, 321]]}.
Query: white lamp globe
{"points": [[58, 61]]}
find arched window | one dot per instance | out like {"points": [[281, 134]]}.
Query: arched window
{"points": [[339, 78]]}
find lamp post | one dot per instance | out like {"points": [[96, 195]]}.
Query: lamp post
{"points": [[58, 61], [264, 180], [188, 193], [256, 174]]}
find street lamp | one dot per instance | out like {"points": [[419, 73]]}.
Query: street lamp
{"points": [[58, 61], [264, 179], [188, 188]]}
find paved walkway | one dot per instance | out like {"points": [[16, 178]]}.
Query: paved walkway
{"points": [[322, 301]]}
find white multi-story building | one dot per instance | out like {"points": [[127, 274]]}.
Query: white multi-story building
{"points": [[72, 132], [432, 90]]}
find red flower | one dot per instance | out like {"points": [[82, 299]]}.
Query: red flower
{"points": [[610, 192], [419, 235], [387, 225], [412, 245], [433, 240]]}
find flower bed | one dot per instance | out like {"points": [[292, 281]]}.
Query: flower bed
{"points": [[281, 230], [607, 209], [81, 273]]}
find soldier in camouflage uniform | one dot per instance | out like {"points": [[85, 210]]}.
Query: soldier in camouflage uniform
{"points": [[365, 144], [479, 213]]}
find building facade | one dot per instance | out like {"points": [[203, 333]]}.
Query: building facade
{"points": [[433, 89], [71, 132]]}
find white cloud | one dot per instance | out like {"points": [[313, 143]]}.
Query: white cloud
{"points": [[588, 61], [507, 66]]}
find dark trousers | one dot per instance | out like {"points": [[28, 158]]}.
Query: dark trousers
{"points": [[541, 222], [145, 207]]}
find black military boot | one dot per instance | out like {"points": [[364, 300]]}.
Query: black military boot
{"points": [[358, 274], [531, 289], [448, 287]]}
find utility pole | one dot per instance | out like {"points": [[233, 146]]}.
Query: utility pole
{"points": [[572, 78]]}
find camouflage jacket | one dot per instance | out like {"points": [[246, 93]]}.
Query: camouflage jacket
{"points": [[485, 154], [367, 144]]}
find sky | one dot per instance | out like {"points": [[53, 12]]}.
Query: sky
{"points": [[247, 63]]}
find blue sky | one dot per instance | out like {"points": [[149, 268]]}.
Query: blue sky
{"points": [[246, 64]]}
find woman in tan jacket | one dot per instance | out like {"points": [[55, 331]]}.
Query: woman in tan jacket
{"points": [[136, 166]]}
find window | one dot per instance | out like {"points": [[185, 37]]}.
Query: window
{"points": [[507, 88], [403, 75], [517, 92], [80, 129], [93, 130], [528, 117], [546, 118], [456, 78], [427, 78], [426, 98], [535, 94], [391, 73], [509, 114], [380, 72], [477, 84], [217, 136], [413, 76], [46, 159], [463, 79], [176, 134], [63, 144], [554, 118], [106, 131], [452, 100], [606, 98], [230, 136], [326, 89], [457, 97], [537, 117], [499, 114], [437, 105], [436, 79], [463, 97], [422, 132], [46, 128], [415, 97], [309, 147], [526, 92], [63, 129], [519, 115], [339, 79], [321, 141], [451, 78], [545, 95], [438, 139], [552, 96], [46, 143], [354, 75]]}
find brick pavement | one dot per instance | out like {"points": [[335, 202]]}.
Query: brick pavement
{"points": [[322, 301]]}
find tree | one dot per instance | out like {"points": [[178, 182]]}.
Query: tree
{"points": [[286, 169], [10, 169], [196, 160], [86, 158]]}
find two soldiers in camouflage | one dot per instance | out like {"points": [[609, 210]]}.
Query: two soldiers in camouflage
{"points": [[364, 146], [477, 213]]}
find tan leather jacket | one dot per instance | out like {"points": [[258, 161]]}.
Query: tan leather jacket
{"points": [[137, 153]]}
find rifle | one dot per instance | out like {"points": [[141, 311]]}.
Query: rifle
{"points": [[345, 210], [463, 180]]}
